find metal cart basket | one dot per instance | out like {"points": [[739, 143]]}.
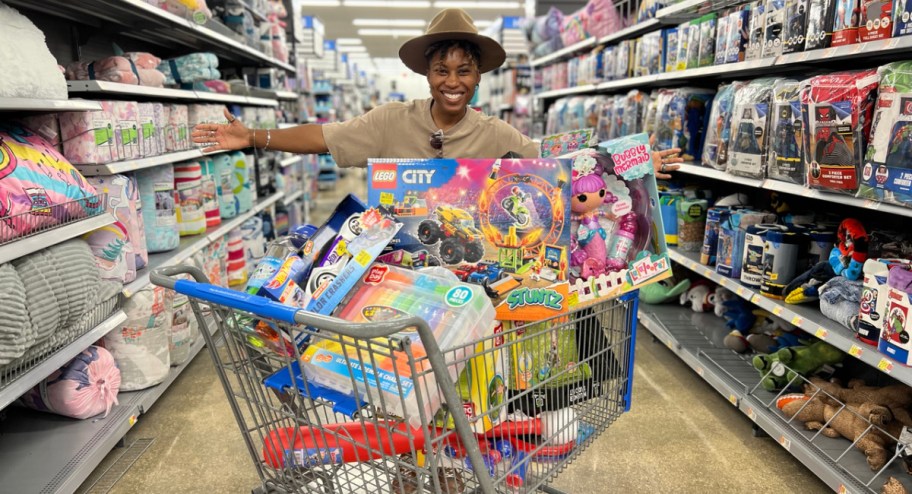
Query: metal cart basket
{"points": [[529, 399]]}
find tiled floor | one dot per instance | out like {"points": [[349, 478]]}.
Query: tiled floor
{"points": [[680, 437]]}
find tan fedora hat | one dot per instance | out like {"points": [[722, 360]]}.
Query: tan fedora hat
{"points": [[451, 24]]}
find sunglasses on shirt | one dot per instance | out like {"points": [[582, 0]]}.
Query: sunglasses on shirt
{"points": [[437, 142]]}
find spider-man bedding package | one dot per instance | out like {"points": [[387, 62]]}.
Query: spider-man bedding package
{"points": [[820, 19], [681, 120], [795, 25], [837, 109], [887, 171], [875, 20], [749, 128], [845, 22], [718, 131], [784, 161]]}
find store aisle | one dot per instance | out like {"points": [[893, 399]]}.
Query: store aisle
{"points": [[680, 437]]}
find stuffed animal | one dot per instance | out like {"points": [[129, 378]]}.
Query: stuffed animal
{"points": [[663, 291], [896, 397], [772, 333], [740, 319], [893, 486], [846, 259], [700, 297], [782, 368], [723, 295]]}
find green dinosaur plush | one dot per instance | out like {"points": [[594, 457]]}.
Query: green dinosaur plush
{"points": [[803, 360], [663, 291]]}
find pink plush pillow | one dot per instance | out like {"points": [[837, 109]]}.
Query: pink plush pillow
{"points": [[85, 387]]}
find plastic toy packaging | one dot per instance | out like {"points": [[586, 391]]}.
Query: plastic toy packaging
{"points": [[755, 30], [693, 44], [738, 35], [795, 26], [634, 109], [837, 110], [691, 224], [617, 120], [820, 15], [670, 39], [874, 22], [606, 116], [680, 120], [707, 49], [652, 109], [845, 22], [785, 158], [718, 132], [649, 55], [875, 294], [774, 20], [722, 38], [897, 324], [887, 175], [683, 45], [457, 314], [750, 113], [593, 107]]}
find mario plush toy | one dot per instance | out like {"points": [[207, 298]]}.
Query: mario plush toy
{"points": [[846, 259]]}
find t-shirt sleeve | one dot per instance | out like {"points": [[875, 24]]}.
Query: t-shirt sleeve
{"points": [[515, 141], [354, 141]]}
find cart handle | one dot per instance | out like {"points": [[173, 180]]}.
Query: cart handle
{"points": [[376, 329]]}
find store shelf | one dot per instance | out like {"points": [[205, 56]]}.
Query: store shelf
{"points": [[287, 95], [150, 24], [556, 93], [633, 31], [160, 93], [697, 340], [35, 375], [290, 161], [192, 245], [293, 197], [139, 164], [806, 317], [46, 105], [27, 245], [564, 52], [879, 48], [727, 71], [795, 189]]}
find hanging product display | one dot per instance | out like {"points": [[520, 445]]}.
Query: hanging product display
{"points": [[785, 160], [718, 133], [886, 174], [749, 132]]}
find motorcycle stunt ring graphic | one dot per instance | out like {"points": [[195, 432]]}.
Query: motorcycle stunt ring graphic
{"points": [[517, 200]]}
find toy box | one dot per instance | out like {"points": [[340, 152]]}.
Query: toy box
{"points": [[457, 314], [737, 35], [617, 243], [732, 231], [683, 44], [755, 30], [896, 325], [707, 40], [795, 26], [567, 142], [819, 21], [902, 18], [845, 23], [875, 20], [885, 175], [670, 39], [874, 296], [500, 224], [722, 39], [773, 20]]}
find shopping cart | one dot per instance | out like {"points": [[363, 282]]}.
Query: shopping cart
{"points": [[574, 374]]}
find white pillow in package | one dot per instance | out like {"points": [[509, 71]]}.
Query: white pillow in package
{"points": [[22, 46], [141, 346]]}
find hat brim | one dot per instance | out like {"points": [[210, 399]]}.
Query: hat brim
{"points": [[412, 51]]}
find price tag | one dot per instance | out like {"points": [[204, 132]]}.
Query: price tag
{"points": [[751, 414], [733, 399], [363, 258], [808, 192], [740, 291], [755, 299], [871, 204], [858, 48], [842, 489], [855, 351], [785, 443], [670, 345], [885, 365], [797, 320], [893, 43], [700, 371], [828, 53], [133, 420], [822, 333], [778, 310], [387, 199]]}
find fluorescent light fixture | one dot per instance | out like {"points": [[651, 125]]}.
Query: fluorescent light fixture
{"points": [[320, 3], [483, 24], [389, 22], [351, 49], [348, 41], [390, 32], [401, 4], [448, 4]]}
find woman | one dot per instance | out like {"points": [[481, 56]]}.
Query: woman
{"points": [[452, 55]]}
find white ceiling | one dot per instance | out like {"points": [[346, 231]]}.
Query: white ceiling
{"points": [[384, 49]]}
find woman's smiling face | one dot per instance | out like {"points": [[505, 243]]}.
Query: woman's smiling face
{"points": [[452, 79]]}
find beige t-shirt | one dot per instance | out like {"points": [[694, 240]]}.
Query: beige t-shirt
{"points": [[403, 130]]}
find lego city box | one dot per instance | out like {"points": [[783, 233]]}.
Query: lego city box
{"points": [[618, 244], [501, 224]]}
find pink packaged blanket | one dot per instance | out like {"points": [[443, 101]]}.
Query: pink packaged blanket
{"points": [[126, 115], [126, 236], [115, 69], [85, 387], [90, 137], [177, 133]]}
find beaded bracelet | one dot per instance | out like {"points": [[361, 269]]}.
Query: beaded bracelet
{"points": [[268, 138]]}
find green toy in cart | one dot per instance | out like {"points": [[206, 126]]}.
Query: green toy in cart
{"points": [[500, 224], [458, 314], [800, 360]]}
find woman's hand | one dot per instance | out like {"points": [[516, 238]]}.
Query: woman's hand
{"points": [[664, 161], [222, 137]]}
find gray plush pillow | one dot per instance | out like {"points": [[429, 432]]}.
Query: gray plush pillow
{"points": [[40, 299], [79, 274], [57, 283], [16, 331]]}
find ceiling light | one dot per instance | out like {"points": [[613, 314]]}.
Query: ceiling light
{"points": [[389, 22], [483, 24], [348, 41], [414, 4], [447, 4], [320, 3], [351, 49], [390, 32]]}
